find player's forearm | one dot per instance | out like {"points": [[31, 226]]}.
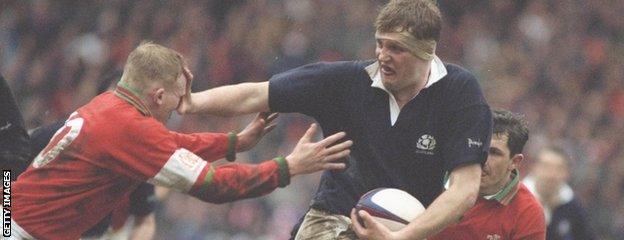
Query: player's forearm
{"points": [[231, 100], [448, 208], [239, 181], [445, 210]]}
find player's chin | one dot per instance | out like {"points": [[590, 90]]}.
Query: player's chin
{"points": [[388, 77], [390, 82]]}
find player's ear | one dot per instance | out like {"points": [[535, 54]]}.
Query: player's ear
{"points": [[516, 160], [158, 96]]}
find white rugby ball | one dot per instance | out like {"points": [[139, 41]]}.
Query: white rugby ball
{"points": [[394, 208]]}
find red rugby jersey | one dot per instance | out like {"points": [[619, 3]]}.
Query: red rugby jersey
{"points": [[111, 145], [513, 216]]}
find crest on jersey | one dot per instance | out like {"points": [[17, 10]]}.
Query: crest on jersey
{"points": [[426, 144]]}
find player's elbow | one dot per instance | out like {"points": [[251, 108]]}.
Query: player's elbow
{"points": [[469, 195], [466, 185], [470, 198], [466, 196]]}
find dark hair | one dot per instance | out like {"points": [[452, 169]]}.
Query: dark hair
{"points": [[514, 126], [421, 18]]}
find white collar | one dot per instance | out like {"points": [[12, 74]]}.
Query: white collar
{"points": [[438, 71]]}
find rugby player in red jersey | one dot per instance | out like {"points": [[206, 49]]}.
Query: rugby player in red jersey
{"points": [[108, 147]]}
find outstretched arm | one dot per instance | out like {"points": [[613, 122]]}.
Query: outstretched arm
{"points": [[448, 208], [238, 181], [231, 100]]}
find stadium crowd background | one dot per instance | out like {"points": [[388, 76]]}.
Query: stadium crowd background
{"points": [[558, 62]]}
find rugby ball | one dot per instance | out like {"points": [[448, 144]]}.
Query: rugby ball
{"points": [[391, 207]]}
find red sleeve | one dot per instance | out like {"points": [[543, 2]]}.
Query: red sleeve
{"points": [[238, 181], [147, 151], [209, 146], [142, 147], [531, 223]]}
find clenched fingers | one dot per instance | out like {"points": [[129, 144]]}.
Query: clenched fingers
{"points": [[357, 227], [271, 117]]}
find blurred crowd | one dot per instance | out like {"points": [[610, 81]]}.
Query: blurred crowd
{"points": [[558, 62]]}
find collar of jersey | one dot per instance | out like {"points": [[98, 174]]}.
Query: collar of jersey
{"points": [[503, 196], [438, 71], [129, 95]]}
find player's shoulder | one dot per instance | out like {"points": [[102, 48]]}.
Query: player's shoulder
{"points": [[108, 113], [362, 64], [458, 89], [526, 202], [459, 77], [321, 70], [343, 67]]}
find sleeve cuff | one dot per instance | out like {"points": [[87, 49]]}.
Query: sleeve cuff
{"points": [[230, 155], [284, 175]]}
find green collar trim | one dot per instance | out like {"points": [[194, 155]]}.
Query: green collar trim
{"points": [[132, 97], [128, 88], [508, 191]]}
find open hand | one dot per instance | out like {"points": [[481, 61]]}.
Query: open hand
{"points": [[309, 157], [251, 135]]}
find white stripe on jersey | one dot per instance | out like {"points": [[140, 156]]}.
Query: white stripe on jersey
{"points": [[18, 233], [180, 171]]}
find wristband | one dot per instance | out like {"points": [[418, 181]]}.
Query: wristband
{"points": [[230, 155], [284, 174]]}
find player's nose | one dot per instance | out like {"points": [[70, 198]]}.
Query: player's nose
{"points": [[383, 55]]}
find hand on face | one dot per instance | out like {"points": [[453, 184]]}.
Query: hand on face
{"points": [[185, 104], [309, 157]]}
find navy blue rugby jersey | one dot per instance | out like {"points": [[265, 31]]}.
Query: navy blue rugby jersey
{"points": [[446, 125]]}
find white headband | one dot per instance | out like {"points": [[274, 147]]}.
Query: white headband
{"points": [[423, 49]]}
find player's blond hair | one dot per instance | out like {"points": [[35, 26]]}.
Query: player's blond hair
{"points": [[150, 64], [421, 18]]}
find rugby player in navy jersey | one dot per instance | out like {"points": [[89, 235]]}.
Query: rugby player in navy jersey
{"points": [[411, 117]]}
